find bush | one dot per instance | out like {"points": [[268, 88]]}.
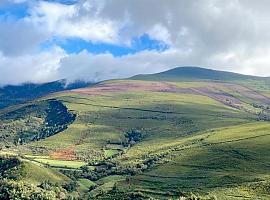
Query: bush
{"points": [[71, 187], [23, 191]]}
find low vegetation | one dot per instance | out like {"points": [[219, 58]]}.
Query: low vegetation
{"points": [[184, 140], [34, 122]]}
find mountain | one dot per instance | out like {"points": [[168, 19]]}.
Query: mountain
{"points": [[197, 73], [14, 94], [202, 134]]}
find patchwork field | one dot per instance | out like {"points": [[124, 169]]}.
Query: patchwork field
{"points": [[136, 139]]}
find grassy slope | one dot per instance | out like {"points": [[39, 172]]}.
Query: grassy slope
{"points": [[96, 124], [37, 174], [33, 172], [209, 147], [58, 163], [193, 74], [231, 163]]}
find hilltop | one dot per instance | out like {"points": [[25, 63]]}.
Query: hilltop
{"points": [[198, 73], [189, 136]]}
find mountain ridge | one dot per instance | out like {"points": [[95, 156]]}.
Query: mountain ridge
{"points": [[164, 139], [14, 94], [193, 72]]}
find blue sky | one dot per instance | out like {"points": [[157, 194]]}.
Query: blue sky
{"points": [[14, 10], [67, 2], [75, 44]]}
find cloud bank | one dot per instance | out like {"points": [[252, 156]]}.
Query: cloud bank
{"points": [[228, 35]]}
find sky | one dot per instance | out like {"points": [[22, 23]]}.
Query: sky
{"points": [[94, 40]]}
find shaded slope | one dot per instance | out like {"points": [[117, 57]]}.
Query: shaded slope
{"points": [[33, 122], [12, 94]]}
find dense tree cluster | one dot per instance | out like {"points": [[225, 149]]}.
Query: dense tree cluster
{"points": [[34, 122], [11, 189]]}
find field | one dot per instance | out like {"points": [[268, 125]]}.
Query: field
{"points": [[56, 163], [230, 163], [161, 140]]}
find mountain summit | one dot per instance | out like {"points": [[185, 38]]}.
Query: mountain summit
{"points": [[193, 73]]}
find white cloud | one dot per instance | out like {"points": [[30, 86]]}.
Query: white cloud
{"points": [[229, 35], [20, 37], [87, 66], [37, 68], [161, 33], [90, 67], [68, 21]]}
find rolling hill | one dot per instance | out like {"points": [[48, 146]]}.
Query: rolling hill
{"points": [[197, 73], [188, 133], [191, 74]]}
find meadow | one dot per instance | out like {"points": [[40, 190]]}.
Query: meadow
{"points": [[141, 139]]}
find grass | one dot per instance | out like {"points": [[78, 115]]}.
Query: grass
{"points": [[106, 184], [168, 120], [36, 174], [204, 146], [111, 152], [97, 124], [231, 162], [108, 179], [85, 184], [60, 163], [29, 170]]}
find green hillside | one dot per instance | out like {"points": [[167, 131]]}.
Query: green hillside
{"points": [[169, 139], [192, 74], [196, 73], [32, 122], [34, 173], [24, 179]]}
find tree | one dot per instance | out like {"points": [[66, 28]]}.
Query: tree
{"points": [[71, 187]]}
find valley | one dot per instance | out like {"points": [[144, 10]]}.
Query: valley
{"points": [[156, 136]]}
